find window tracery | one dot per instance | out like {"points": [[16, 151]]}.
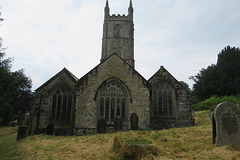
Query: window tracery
{"points": [[61, 108], [163, 100], [112, 101]]}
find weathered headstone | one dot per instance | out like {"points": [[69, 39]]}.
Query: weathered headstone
{"points": [[134, 121], [227, 117], [69, 132], [211, 115], [22, 132], [50, 129], [118, 124], [60, 132], [101, 125]]}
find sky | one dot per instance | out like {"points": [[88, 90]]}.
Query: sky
{"points": [[184, 36]]}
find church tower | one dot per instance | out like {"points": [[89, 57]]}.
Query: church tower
{"points": [[118, 35]]}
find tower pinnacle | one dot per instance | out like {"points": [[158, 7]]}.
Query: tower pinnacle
{"points": [[107, 10], [130, 10], [107, 4], [130, 5]]}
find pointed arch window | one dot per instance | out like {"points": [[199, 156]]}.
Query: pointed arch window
{"points": [[163, 100], [112, 101], [61, 108]]}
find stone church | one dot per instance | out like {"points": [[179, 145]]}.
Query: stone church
{"points": [[66, 105]]}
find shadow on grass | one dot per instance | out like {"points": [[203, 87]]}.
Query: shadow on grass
{"points": [[8, 147]]}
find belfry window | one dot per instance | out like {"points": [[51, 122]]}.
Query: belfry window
{"points": [[163, 100], [61, 104], [112, 101]]}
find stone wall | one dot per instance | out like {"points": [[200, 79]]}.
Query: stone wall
{"points": [[118, 36], [183, 111], [113, 67], [42, 103]]}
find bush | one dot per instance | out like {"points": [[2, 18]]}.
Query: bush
{"points": [[212, 102], [134, 148]]}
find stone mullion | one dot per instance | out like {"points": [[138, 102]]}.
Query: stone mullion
{"points": [[120, 105], [107, 107], [71, 115], [61, 107], [115, 108], [104, 106], [53, 106], [110, 108], [115, 102], [162, 94], [66, 115], [124, 108], [168, 103], [157, 103], [55, 117]]}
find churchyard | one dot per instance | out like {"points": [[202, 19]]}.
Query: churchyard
{"points": [[177, 143]]}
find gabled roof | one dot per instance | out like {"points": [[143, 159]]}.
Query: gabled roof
{"points": [[64, 70], [162, 69], [85, 76]]}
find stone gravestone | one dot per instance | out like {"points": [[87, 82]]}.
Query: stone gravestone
{"points": [[101, 125], [227, 117], [69, 132], [134, 121], [118, 124], [60, 132], [211, 115], [22, 130], [50, 129]]}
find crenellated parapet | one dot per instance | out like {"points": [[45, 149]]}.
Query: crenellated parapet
{"points": [[118, 17]]}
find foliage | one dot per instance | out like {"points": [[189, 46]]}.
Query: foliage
{"points": [[212, 102], [222, 79], [185, 85], [15, 91], [205, 83]]}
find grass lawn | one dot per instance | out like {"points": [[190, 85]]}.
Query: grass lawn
{"points": [[8, 143], [176, 143]]}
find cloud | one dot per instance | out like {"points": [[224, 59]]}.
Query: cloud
{"points": [[44, 36]]}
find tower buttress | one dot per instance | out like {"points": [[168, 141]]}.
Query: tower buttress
{"points": [[118, 35]]}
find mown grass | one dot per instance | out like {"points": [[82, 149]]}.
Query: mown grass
{"points": [[177, 143]]}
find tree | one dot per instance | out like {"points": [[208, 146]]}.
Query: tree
{"points": [[220, 79], [205, 82], [15, 91], [185, 85], [228, 66]]}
